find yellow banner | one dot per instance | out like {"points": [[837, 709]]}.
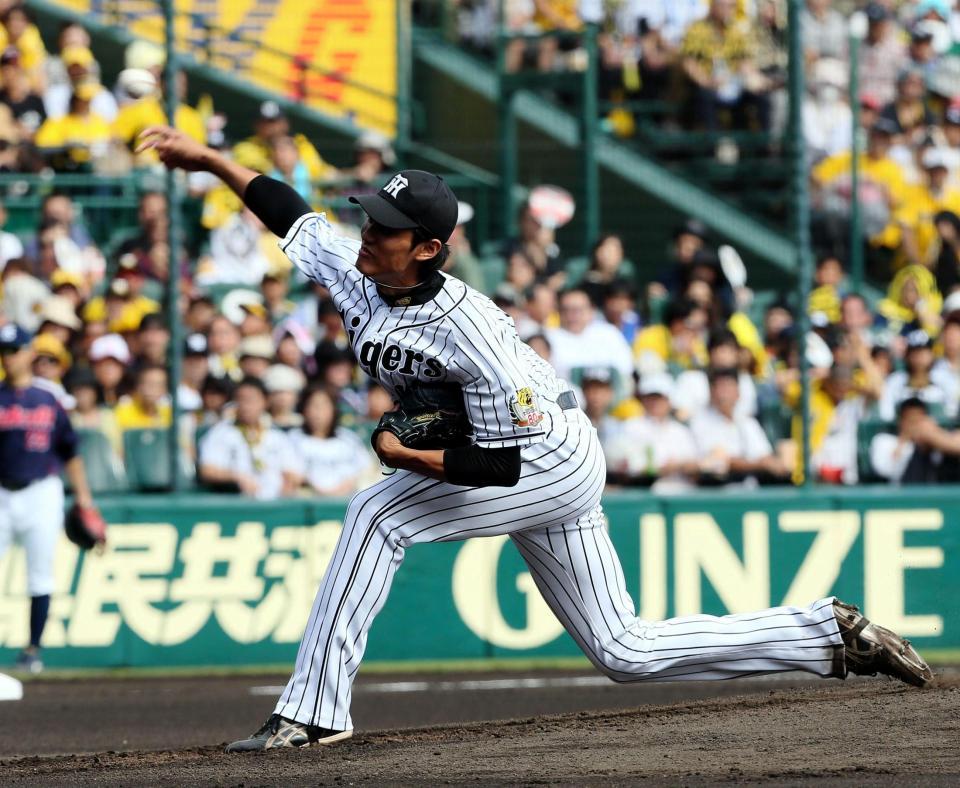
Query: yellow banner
{"points": [[337, 56]]}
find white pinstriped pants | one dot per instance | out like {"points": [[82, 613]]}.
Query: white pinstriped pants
{"points": [[554, 517]]}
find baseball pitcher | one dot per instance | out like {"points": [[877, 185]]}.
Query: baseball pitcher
{"points": [[511, 454]]}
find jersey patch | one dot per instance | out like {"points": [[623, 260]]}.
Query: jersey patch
{"points": [[524, 411]]}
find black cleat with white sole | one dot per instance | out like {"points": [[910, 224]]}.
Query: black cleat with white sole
{"points": [[279, 732]]}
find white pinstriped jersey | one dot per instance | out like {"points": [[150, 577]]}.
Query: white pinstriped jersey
{"points": [[460, 336]]}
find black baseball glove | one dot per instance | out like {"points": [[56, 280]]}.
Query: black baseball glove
{"points": [[85, 526], [428, 417]]}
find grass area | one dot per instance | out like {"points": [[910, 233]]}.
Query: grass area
{"points": [[938, 657]]}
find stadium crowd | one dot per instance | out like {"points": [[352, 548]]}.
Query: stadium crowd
{"points": [[692, 379]]}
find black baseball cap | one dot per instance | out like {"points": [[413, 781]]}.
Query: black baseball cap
{"points": [[195, 345], [413, 199], [918, 339], [13, 337], [877, 12]]}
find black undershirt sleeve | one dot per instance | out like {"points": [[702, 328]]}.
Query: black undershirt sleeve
{"points": [[275, 204], [473, 466]]}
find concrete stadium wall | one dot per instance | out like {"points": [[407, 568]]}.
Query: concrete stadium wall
{"points": [[219, 581]]}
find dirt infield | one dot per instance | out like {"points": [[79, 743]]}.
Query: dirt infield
{"points": [[871, 732]]}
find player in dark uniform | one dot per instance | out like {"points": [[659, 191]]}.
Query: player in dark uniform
{"points": [[36, 443]]}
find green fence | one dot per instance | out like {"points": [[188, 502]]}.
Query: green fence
{"points": [[204, 580]]}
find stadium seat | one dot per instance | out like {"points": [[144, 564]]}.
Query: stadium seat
{"points": [[147, 454], [775, 418], [104, 469]]}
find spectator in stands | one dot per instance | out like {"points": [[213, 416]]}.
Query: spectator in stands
{"points": [[255, 354], [200, 313], [537, 246], [836, 408], [718, 60], [284, 385], [640, 57], [152, 226], [937, 390], [72, 34], [921, 52], [57, 208], [271, 123], [224, 341], [462, 262], [691, 394], [599, 396], [912, 302], [148, 406], [22, 294], [825, 298], [732, 448], [916, 217], [535, 310], [51, 359], [25, 104], [373, 158], [583, 341], [882, 191], [11, 247], [882, 54], [195, 368], [824, 31], [151, 340], [678, 342], [688, 239], [915, 454], [295, 347], [124, 304], [150, 111], [827, 117], [248, 454], [75, 141], [81, 69], [653, 448], [88, 414], [18, 30], [68, 285], [274, 287], [947, 224], [618, 305], [287, 167], [951, 125], [908, 110], [58, 318], [238, 252], [606, 266], [216, 395], [554, 15], [334, 460]]}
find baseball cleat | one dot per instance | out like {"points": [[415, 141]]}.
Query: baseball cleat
{"points": [[279, 732], [870, 649], [29, 662]]}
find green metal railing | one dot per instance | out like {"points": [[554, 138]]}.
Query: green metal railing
{"points": [[583, 84]]}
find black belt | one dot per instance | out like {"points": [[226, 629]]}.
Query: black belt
{"points": [[13, 485], [568, 401]]}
